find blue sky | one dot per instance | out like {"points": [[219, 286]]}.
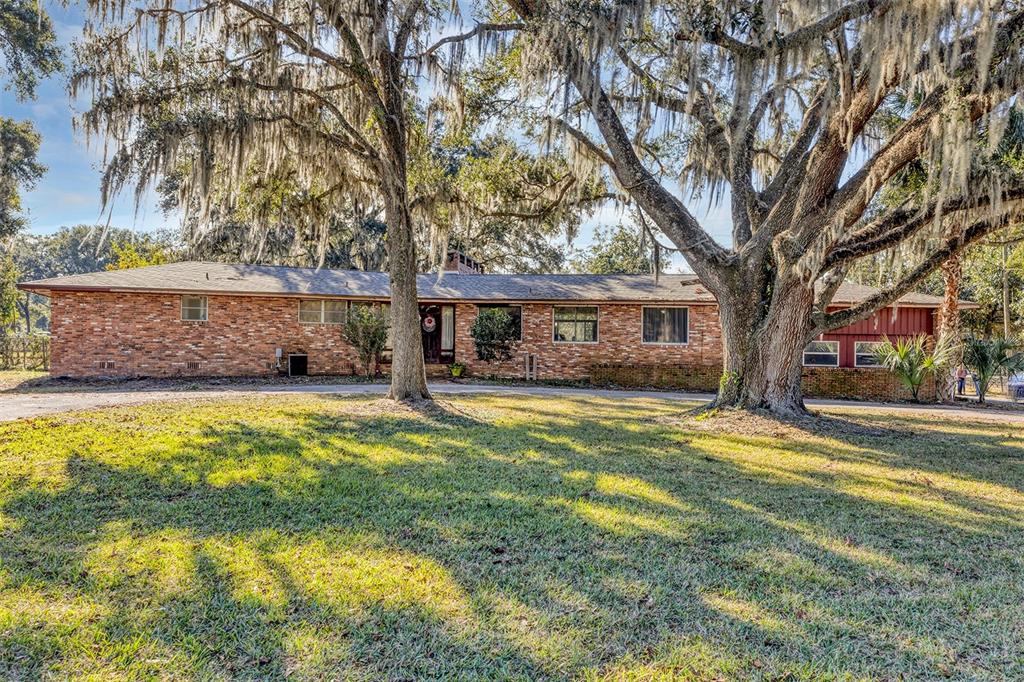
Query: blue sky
{"points": [[69, 193]]}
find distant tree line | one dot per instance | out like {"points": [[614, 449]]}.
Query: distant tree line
{"points": [[72, 251]]}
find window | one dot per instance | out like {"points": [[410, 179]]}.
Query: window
{"points": [[447, 328], [514, 311], [864, 353], [666, 325], [193, 308], [575, 324], [822, 354], [311, 312], [335, 312], [322, 312]]}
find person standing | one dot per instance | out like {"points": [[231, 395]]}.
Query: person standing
{"points": [[961, 379]]}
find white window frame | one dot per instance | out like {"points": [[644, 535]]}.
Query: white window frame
{"points": [[857, 352], [205, 308], [597, 325], [490, 306], [803, 357], [323, 310], [451, 307], [665, 343]]}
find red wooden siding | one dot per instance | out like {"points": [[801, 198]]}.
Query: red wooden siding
{"points": [[887, 322]]}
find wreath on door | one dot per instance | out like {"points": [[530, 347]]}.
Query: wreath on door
{"points": [[429, 323]]}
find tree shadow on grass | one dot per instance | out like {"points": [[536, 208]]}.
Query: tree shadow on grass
{"points": [[340, 542]]}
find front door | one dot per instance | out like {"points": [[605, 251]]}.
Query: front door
{"points": [[430, 327], [437, 327]]}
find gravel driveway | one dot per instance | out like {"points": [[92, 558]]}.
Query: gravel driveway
{"points": [[28, 405]]}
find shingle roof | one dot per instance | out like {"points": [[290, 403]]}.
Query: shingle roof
{"points": [[224, 278], [849, 293]]}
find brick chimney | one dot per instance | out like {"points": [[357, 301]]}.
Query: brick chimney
{"points": [[462, 264]]}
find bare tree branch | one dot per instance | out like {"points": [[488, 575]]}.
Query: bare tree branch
{"points": [[898, 225], [477, 30], [888, 296], [801, 36]]}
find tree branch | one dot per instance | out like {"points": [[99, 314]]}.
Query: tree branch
{"points": [[479, 29], [705, 256], [827, 24], [583, 139], [900, 224], [301, 44], [950, 247], [801, 36], [405, 26], [356, 142], [906, 144], [668, 211]]}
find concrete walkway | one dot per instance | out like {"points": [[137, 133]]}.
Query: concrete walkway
{"points": [[28, 405]]}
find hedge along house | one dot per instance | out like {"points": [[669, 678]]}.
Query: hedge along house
{"points": [[215, 319]]}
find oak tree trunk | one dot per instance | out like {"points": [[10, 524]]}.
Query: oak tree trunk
{"points": [[763, 348], [408, 373]]}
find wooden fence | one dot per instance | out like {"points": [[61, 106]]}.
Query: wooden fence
{"points": [[25, 352]]}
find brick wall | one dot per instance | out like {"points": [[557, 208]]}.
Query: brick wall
{"points": [[680, 377], [143, 335], [618, 343], [818, 382], [863, 383]]}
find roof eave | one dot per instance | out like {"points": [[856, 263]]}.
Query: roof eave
{"points": [[49, 289]]}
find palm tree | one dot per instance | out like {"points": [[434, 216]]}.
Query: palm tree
{"points": [[987, 358], [908, 358]]}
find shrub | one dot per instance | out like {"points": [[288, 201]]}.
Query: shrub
{"points": [[910, 361], [494, 335], [366, 330], [987, 358]]}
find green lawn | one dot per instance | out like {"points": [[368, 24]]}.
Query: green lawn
{"points": [[506, 537]]}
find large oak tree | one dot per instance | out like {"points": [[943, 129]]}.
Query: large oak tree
{"points": [[292, 115], [320, 92], [802, 113]]}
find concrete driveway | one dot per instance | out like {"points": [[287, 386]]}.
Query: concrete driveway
{"points": [[28, 405]]}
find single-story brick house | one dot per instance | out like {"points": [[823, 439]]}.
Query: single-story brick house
{"points": [[216, 319]]}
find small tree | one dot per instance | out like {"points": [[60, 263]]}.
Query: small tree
{"points": [[987, 358], [617, 250], [129, 255], [910, 361], [367, 331], [494, 335], [8, 295]]}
